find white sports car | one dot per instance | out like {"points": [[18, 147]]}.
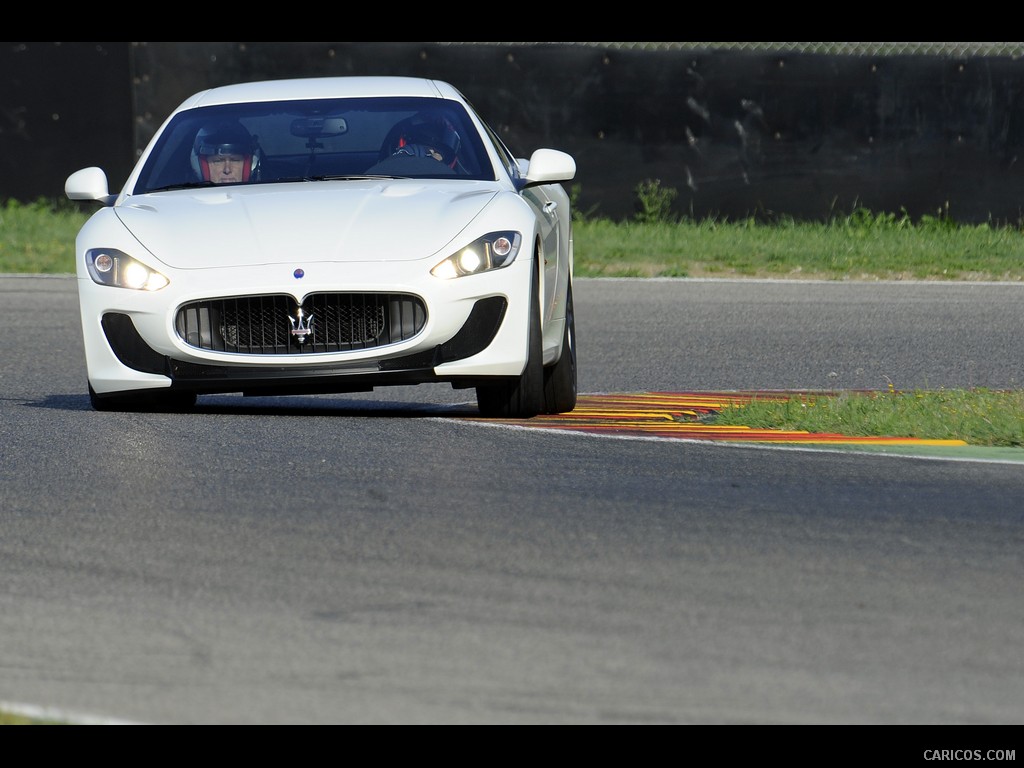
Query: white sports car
{"points": [[328, 235]]}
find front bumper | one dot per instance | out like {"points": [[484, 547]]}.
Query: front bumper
{"points": [[476, 335], [475, 330]]}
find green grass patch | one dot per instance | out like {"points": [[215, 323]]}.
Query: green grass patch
{"points": [[10, 718], [39, 237], [846, 249], [977, 416]]}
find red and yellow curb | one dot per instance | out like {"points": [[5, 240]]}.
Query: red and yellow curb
{"points": [[679, 415]]}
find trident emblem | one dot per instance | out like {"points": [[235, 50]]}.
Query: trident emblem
{"points": [[301, 326]]}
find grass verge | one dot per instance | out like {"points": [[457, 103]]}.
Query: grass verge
{"points": [[977, 416], [39, 237], [856, 248], [11, 718]]}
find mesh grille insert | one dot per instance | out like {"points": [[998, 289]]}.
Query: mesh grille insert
{"points": [[330, 322]]}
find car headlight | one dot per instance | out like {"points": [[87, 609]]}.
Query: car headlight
{"points": [[492, 251], [108, 266]]}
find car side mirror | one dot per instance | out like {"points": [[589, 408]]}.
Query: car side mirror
{"points": [[548, 166], [89, 184]]}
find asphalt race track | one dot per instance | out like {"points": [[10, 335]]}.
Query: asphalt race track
{"points": [[389, 557]]}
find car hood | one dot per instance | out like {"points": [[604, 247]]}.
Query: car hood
{"points": [[346, 221]]}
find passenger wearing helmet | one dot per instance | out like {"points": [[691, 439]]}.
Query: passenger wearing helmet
{"points": [[433, 141], [429, 137], [225, 153]]}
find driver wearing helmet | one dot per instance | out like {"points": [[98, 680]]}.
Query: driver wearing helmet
{"points": [[225, 153]]}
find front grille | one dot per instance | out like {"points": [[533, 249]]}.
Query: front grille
{"points": [[337, 322]]}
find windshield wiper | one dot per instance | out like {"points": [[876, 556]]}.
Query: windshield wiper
{"points": [[331, 177], [186, 185], [284, 180]]}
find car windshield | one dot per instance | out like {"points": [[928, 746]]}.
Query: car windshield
{"points": [[284, 141]]}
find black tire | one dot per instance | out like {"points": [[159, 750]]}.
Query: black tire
{"points": [[521, 397], [161, 401], [560, 378]]}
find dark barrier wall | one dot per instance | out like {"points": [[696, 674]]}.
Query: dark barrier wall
{"points": [[63, 106], [735, 133]]}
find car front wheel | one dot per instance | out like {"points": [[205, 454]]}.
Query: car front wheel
{"points": [[521, 397], [560, 378]]}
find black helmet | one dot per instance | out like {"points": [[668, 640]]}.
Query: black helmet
{"points": [[429, 131], [226, 138]]}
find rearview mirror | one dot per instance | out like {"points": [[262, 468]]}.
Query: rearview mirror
{"points": [[319, 127]]}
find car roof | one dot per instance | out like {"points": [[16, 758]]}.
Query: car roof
{"points": [[321, 87]]}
